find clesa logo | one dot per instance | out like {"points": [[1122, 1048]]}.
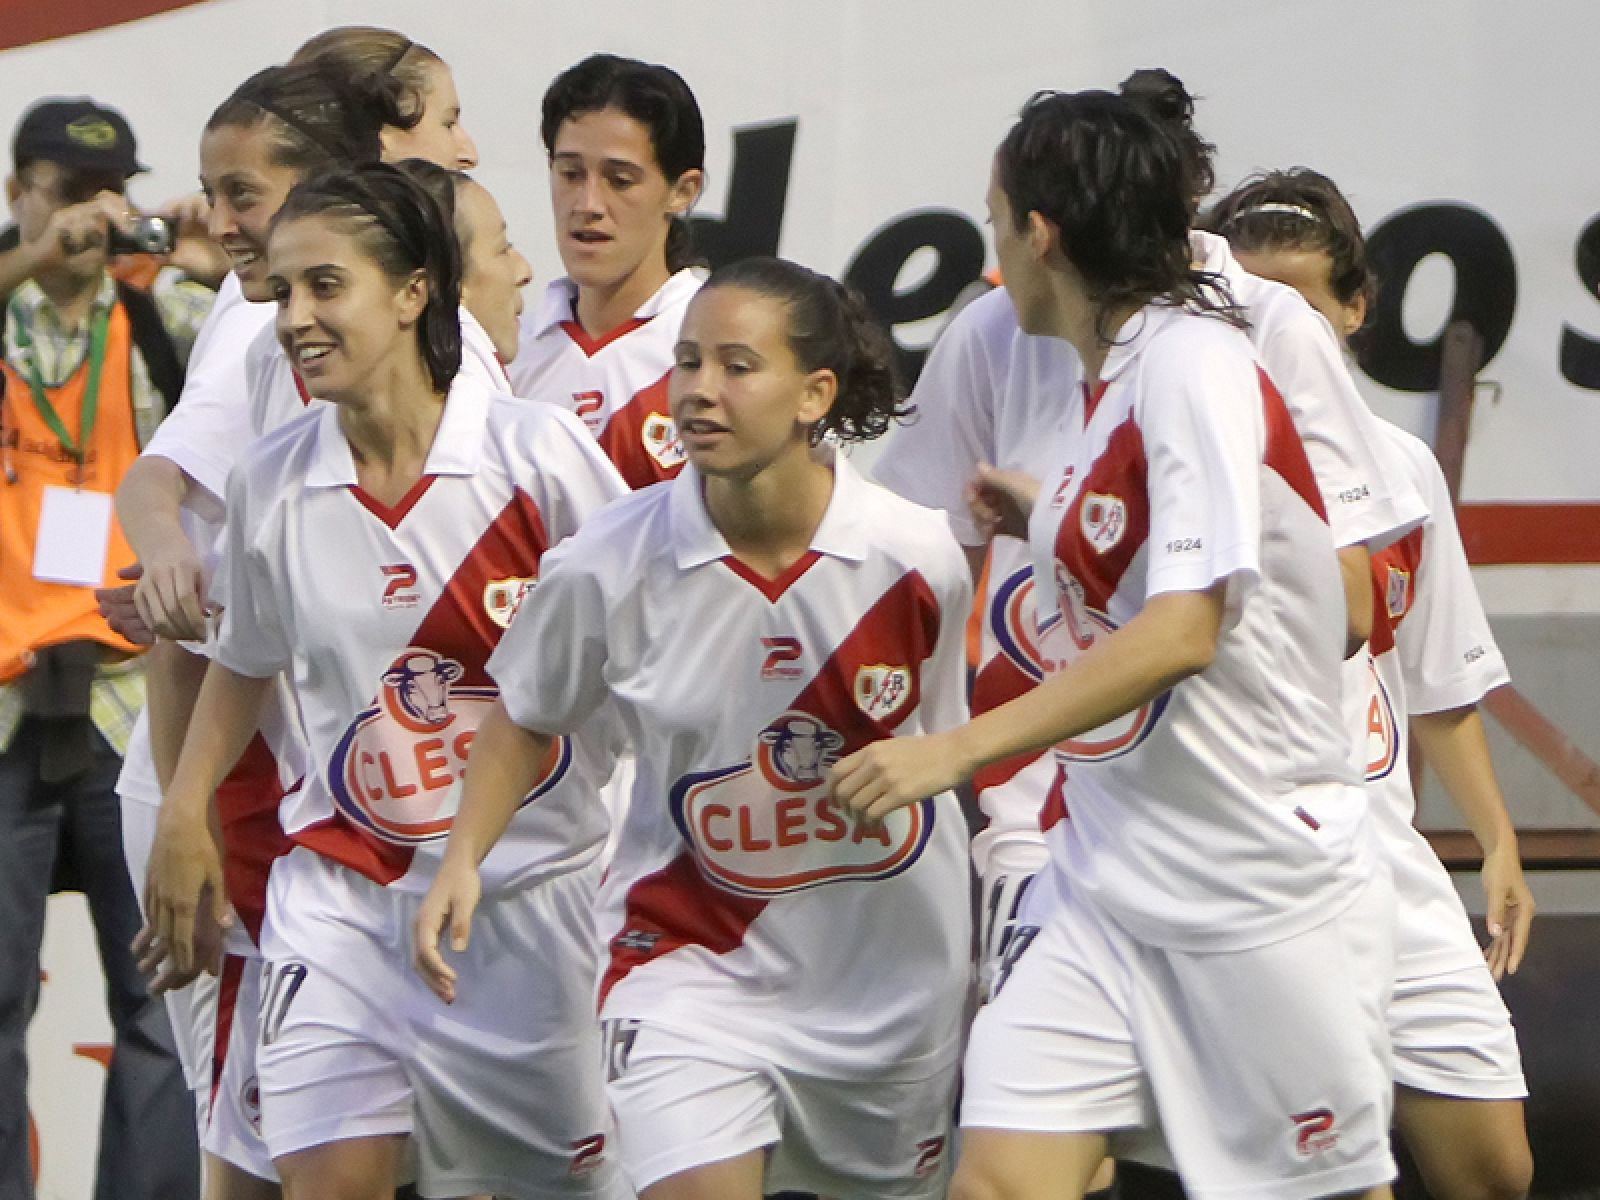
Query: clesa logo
{"points": [[1103, 520], [1397, 594], [502, 597], [660, 438], [1383, 741], [767, 827], [591, 410], [882, 690], [396, 772]]}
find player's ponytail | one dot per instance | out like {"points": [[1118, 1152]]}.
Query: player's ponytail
{"points": [[1162, 94], [830, 328], [402, 228]]}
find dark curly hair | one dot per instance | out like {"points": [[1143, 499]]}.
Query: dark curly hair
{"points": [[657, 98], [403, 229], [1163, 96], [1121, 191], [830, 329]]}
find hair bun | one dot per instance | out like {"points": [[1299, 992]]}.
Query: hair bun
{"points": [[1161, 93]]}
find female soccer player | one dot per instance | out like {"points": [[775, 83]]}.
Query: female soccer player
{"points": [[376, 549], [1215, 942], [1432, 658], [784, 990], [627, 158]]}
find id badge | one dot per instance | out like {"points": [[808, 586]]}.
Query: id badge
{"points": [[74, 534]]}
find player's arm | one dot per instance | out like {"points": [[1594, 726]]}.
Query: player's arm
{"points": [[1355, 571], [171, 593], [1454, 744], [1173, 637], [504, 766]]}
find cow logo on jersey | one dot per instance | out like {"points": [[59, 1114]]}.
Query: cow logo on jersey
{"points": [[1398, 593], [767, 826], [1383, 739], [882, 690], [399, 586], [1103, 520], [397, 770], [660, 437], [502, 597], [591, 410]]}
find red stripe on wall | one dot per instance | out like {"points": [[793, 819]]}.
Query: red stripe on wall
{"points": [[1530, 534], [28, 21]]}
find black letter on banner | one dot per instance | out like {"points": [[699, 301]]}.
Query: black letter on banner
{"points": [[959, 247], [1580, 355], [757, 194], [1486, 289]]}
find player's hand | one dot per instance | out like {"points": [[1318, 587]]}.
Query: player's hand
{"points": [[894, 772], [1510, 911], [450, 903], [117, 606], [170, 595], [184, 890], [157, 965], [1002, 501]]}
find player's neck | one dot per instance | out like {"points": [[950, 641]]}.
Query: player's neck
{"points": [[1079, 320], [391, 428], [770, 518], [602, 309]]}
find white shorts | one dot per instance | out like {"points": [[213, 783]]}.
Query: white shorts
{"points": [[1453, 1037], [682, 1102], [503, 1091], [1269, 1067], [232, 1131]]}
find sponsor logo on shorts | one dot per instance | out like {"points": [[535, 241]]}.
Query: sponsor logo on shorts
{"points": [[588, 1155], [930, 1156], [767, 826], [660, 437], [1103, 520], [399, 588], [782, 655], [641, 940], [250, 1104], [882, 690], [591, 410], [1314, 1132], [397, 770], [502, 598], [1397, 595]]}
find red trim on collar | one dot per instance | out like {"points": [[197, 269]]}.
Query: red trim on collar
{"points": [[393, 516], [300, 386], [1092, 397], [591, 345], [772, 589]]}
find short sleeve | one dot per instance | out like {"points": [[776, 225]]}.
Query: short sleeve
{"points": [[575, 478], [933, 456], [252, 640], [944, 674], [1201, 419], [1448, 655], [550, 664]]}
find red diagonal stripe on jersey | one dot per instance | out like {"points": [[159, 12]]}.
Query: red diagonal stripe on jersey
{"points": [[1286, 453], [623, 437], [458, 626], [678, 906], [248, 802], [1121, 472], [999, 682], [1404, 556]]}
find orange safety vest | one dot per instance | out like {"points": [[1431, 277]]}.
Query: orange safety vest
{"points": [[34, 614]]}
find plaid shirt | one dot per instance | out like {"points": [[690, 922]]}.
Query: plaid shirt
{"points": [[115, 698]]}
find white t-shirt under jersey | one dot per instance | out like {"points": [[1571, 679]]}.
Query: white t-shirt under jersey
{"points": [[1224, 813], [741, 899], [385, 617], [618, 383], [1431, 651]]}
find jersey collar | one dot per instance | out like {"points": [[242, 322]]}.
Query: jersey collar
{"points": [[561, 297], [842, 533], [457, 445]]}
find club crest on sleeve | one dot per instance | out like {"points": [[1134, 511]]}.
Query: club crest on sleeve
{"points": [[660, 437], [1103, 520], [591, 410], [502, 597], [882, 690], [1398, 592]]}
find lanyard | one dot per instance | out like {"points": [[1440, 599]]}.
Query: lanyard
{"points": [[98, 329]]}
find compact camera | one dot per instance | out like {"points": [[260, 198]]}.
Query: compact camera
{"points": [[149, 235]]}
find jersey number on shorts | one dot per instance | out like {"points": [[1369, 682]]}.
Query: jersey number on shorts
{"points": [[617, 1038], [284, 983]]}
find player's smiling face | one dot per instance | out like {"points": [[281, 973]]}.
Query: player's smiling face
{"points": [[342, 320], [739, 397], [246, 189], [493, 270]]}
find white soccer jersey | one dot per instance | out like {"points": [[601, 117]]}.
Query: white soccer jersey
{"points": [[385, 618], [1431, 650], [742, 899], [616, 383], [990, 393], [1224, 813], [1366, 493]]}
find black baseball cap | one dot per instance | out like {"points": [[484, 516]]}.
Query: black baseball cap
{"points": [[79, 134]]}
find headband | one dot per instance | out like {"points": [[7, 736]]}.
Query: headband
{"points": [[1273, 207], [406, 46]]}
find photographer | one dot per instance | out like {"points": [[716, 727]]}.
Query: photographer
{"points": [[92, 365]]}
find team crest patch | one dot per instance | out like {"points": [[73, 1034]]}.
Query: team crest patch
{"points": [[1103, 520], [1398, 593], [501, 598], [660, 437], [882, 690], [397, 770], [768, 827]]}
